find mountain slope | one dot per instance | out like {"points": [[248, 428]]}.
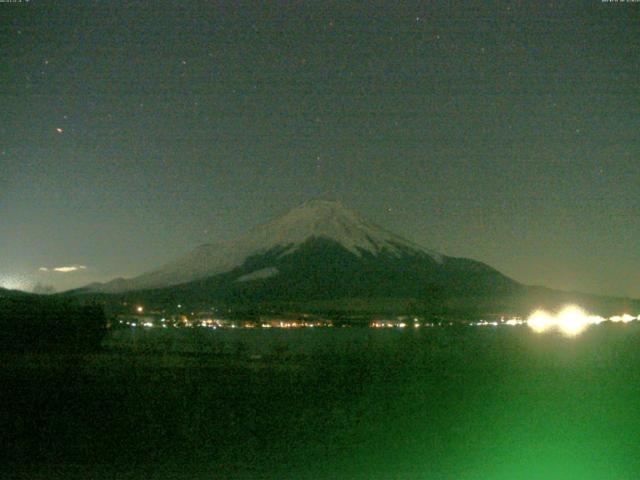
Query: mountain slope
{"points": [[316, 219], [322, 269]]}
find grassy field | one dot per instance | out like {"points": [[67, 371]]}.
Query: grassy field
{"points": [[444, 403]]}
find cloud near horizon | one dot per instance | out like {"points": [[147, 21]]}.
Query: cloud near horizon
{"points": [[64, 269]]}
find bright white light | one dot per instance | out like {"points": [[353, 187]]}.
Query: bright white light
{"points": [[541, 321], [572, 321], [626, 318]]}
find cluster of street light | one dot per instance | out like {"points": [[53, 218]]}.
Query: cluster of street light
{"points": [[571, 320]]}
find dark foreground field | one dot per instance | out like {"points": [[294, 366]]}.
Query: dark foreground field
{"points": [[470, 403]]}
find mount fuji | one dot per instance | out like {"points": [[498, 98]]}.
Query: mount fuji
{"points": [[325, 255], [320, 253], [314, 221]]}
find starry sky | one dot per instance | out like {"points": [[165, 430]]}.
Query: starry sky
{"points": [[507, 131]]}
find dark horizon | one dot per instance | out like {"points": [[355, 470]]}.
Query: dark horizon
{"points": [[506, 133]]}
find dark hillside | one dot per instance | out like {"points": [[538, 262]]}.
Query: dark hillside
{"points": [[39, 323]]}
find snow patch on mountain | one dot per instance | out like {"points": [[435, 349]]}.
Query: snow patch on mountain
{"points": [[258, 274]]}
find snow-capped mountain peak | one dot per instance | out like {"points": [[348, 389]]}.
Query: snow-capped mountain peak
{"points": [[330, 220], [316, 219]]}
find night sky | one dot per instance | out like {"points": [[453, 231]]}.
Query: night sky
{"points": [[507, 132]]}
